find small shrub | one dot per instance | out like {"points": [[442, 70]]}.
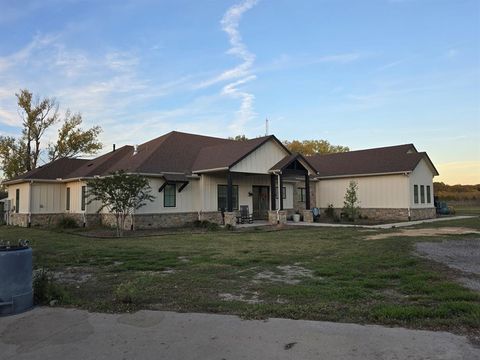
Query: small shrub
{"points": [[204, 224], [229, 227], [330, 211], [336, 218], [125, 292], [67, 222], [45, 290]]}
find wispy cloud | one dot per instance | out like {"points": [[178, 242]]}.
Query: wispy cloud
{"points": [[240, 74]]}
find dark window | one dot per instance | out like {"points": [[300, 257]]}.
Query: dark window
{"points": [[84, 196], [302, 194], [17, 200], [170, 195], [222, 197], [415, 194], [284, 192], [429, 196], [422, 194], [68, 199]]}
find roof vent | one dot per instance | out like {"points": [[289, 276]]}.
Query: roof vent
{"points": [[135, 150]]}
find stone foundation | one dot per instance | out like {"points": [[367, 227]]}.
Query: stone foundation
{"points": [[212, 216], [388, 214], [18, 219], [152, 221], [282, 217], [420, 214], [307, 216], [231, 217]]}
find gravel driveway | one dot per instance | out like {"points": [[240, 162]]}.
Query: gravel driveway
{"points": [[463, 255]]}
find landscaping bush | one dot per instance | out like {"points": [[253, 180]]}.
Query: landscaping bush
{"points": [[204, 224], [330, 211], [67, 222], [45, 290]]}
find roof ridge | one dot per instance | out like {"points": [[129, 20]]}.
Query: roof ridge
{"points": [[361, 150]]}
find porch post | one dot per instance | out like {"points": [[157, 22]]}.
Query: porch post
{"points": [[307, 192], [273, 200], [280, 192], [229, 192]]}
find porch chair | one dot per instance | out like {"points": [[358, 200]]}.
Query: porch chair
{"points": [[245, 216]]}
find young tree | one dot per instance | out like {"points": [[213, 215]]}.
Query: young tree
{"points": [[18, 155], [312, 147], [121, 194], [351, 203]]}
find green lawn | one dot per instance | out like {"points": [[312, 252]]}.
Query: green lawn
{"points": [[335, 275], [467, 210]]}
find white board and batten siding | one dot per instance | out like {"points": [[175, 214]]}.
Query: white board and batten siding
{"points": [[388, 191], [48, 198], [421, 175], [24, 189], [187, 200], [262, 159]]}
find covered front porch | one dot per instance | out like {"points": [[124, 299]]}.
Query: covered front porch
{"points": [[247, 197]]}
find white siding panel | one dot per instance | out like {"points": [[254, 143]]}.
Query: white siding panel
{"points": [[187, 200], [390, 191], [24, 196], [421, 175], [262, 159], [48, 198]]}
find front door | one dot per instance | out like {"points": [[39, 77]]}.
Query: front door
{"points": [[261, 196]]}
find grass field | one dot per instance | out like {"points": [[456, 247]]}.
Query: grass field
{"points": [[310, 273], [467, 210]]}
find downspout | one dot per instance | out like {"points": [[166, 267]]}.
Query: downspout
{"points": [[409, 197], [278, 194], [30, 204], [81, 196]]}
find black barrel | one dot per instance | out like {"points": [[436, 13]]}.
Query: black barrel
{"points": [[16, 294]]}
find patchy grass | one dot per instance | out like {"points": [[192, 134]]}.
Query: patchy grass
{"points": [[467, 210], [301, 273]]}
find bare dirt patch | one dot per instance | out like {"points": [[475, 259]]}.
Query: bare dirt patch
{"points": [[463, 255], [248, 298], [287, 274], [72, 275], [425, 232]]}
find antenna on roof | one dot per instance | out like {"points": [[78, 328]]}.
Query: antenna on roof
{"points": [[266, 126]]}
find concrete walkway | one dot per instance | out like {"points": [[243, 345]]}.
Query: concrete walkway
{"points": [[55, 333], [382, 226]]}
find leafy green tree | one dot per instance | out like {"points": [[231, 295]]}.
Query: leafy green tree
{"points": [[120, 194], [313, 147], [350, 202], [18, 155], [72, 140], [239, 138]]}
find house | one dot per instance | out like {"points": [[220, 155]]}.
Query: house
{"points": [[196, 177]]}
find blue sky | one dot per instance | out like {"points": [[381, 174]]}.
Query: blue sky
{"points": [[358, 73]]}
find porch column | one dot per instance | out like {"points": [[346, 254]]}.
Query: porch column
{"points": [[229, 192], [273, 200], [280, 192], [307, 192]]}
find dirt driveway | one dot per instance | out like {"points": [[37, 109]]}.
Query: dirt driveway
{"points": [[424, 232], [463, 255]]}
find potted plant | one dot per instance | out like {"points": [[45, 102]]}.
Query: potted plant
{"points": [[296, 216]]}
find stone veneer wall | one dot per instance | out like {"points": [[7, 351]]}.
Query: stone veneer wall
{"points": [[18, 219], [142, 221], [396, 214], [419, 214]]}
